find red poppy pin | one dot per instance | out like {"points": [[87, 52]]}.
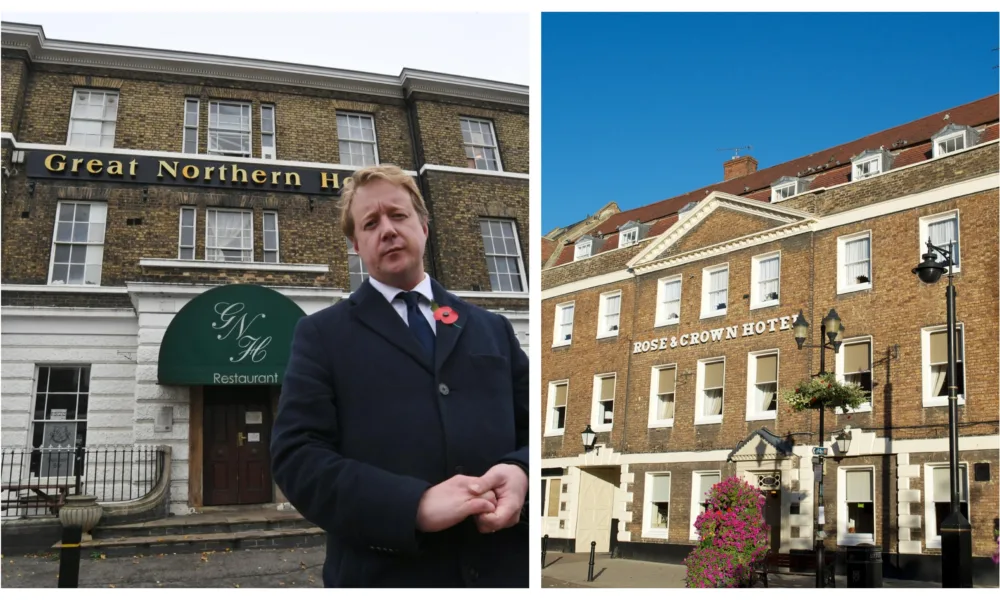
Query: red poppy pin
{"points": [[445, 314]]}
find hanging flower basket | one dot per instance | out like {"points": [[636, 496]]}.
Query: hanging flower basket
{"points": [[825, 391]]}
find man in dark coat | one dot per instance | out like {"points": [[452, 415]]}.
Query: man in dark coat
{"points": [[402, 428]]}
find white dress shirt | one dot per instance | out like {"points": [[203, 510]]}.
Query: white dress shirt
{"points": [[423, 288]]}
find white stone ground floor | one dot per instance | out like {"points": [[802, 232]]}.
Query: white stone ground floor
{"points": [[125, 404], [884, 492]]}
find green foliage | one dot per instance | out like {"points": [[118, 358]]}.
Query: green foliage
{"points": [[824, 391]]}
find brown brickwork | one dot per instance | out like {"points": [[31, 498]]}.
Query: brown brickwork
{"points": [[15, 77], [679, 512], [441, 134]]}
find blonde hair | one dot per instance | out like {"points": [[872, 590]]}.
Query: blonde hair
{"points": [[363, 177]]}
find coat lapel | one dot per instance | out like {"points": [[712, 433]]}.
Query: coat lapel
{"points": [[371, 308], [447, 335]]}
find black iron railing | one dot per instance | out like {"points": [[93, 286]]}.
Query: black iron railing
{"points": [[36, 481]]}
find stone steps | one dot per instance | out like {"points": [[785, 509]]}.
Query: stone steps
{"points": [[284, 537], [204, 524]]}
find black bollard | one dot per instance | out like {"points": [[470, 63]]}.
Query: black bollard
{"points": [[69, 557], [590, 570], [545, 547]]}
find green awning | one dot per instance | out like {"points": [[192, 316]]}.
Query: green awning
{"points": [[230, 335]]}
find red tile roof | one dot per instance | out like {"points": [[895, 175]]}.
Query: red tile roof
{"points": [[548, 247], [914, 138]]}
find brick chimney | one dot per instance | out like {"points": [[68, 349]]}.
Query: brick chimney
{"points": [[738, 167]]}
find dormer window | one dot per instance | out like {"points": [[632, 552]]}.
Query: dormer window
{"points": [[583, 249], [628, 237], [786, 187], [953, 138], [870, 162]]}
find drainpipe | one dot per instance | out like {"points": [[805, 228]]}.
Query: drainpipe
{"points": [[418, 161], [628, 370]]}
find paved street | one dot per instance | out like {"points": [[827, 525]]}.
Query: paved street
{"points": [[570, 570], [289, 568]]}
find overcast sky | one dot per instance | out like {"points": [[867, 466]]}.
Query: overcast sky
{"points": [[489, 46]]}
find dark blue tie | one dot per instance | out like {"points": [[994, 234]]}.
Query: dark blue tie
{"points": [[418, 323]]}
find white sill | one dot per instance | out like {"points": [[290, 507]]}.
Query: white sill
{"points": [[712, 420], [857, 287], [665, 323], [764, 416], [555, 433], [714, 313], [864, 408], [61, 287], [654, 534], [607, 334], [767, 304], [663, 423], [602, 428], [568, 342], [855, 539], [934, 542], [941, 401], [233, 265]]}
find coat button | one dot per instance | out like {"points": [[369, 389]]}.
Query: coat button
{"points": [[443, 389]]}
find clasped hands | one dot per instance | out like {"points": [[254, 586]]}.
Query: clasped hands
{"points": [[494, 500]]}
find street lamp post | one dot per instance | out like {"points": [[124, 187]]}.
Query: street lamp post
{"points": [[831, 328], [956, 531]]}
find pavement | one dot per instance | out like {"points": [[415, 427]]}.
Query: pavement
{"points": [[270, 568], [570, 571]]}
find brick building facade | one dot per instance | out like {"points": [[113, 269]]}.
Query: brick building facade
{"points": [[145, 191], [667, 329]]}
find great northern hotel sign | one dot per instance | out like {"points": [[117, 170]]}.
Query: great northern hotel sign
{"points": [[153, 170], [708, 336]]}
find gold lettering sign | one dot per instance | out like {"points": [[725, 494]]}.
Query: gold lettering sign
{"points": [[58, 166]]}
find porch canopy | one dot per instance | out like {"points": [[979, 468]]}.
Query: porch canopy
{"points": [[230, 335]]}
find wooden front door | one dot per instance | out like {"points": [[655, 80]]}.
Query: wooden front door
{"points": [[237, 445], [772, 517]]}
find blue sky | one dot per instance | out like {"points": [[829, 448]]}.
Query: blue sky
{"points": [[635, 106]]}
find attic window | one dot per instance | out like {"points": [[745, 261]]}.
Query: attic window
{"points": [[867, 167], [628, 237], [950, 143], [583, 250], [784, 190]]}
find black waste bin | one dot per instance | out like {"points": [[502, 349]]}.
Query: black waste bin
{"points": [[864, 566]]}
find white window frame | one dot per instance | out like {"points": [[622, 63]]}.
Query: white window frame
{"points": [[496, 142], [208, 212], [752, 413], [628, 237], [557, 334], [648, 508], [194, 233], [854, 539], [708, 311], [88, 244], [102, 120], [191, 131], [249, 132], [550, 411], [695, 504], [925, 366], [699, 417], [602, 313], [841, 377], [340, 136], [926, 222], [277, 238], [662, 318], [269, 152], [654, 396], [517, 245], [582, 250], [777, 192], [755, 300], [79, 422], [857, 168], [364, 270], [596, 416], [931, 538], [843, 285], [944, 139]]}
